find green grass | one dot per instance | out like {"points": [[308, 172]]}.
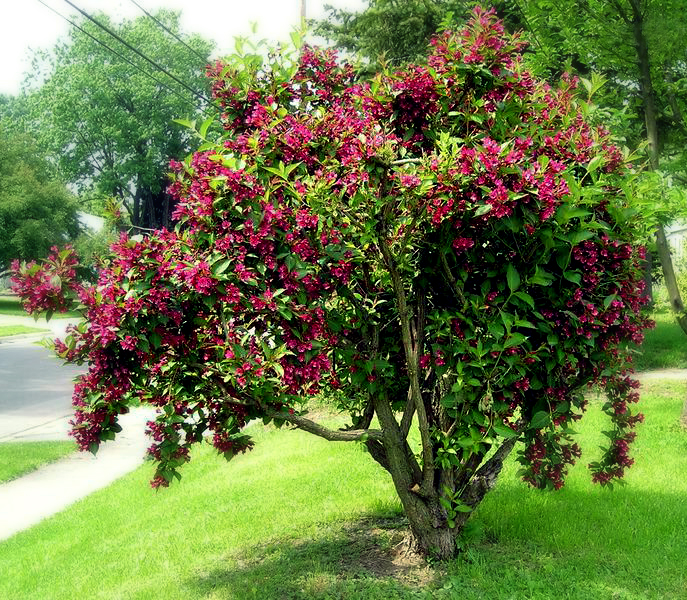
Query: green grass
{"points": [[10, 305], [664, 347], [19, 458], [7, 330], [586, 542], [301, 518]]}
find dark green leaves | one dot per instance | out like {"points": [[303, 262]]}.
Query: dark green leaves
{"points": [[513, 278]]}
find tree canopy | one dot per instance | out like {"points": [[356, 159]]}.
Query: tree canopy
{"points": [[448, 244], [389, 30], [36, 209], [105, 115]]}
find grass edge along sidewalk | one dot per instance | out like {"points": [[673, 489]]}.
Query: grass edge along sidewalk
{"points": [[17, 458], [299, 517], [46, 491]]}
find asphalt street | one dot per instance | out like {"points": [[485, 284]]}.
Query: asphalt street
{"points": [[35, 392], [35, 404]]}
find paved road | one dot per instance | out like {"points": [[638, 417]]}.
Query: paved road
{"points": [[35, 404], [35, 392]]}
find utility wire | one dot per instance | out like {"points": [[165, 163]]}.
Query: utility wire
{"points": [[119, 55], [170, 32], [143, 56]]}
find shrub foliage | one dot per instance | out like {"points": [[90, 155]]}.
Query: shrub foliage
{"points": [[448, 244]]}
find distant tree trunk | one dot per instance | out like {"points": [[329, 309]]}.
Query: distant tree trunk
{"points": [[647, 91]]}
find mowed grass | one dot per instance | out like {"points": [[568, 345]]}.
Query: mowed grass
{"points": [[586, 542], [664, 347], [7, 330], [10, 305], [20, 458], [306, 519]]}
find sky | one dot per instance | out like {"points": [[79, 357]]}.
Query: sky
{"points": [[27, 25]]}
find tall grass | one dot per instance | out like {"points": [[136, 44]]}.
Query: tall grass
{"points": [[305, 519]]}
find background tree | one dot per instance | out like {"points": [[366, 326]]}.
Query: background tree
{"points": [[447, 244], [393, 31], [36, 209], [108, 125]]}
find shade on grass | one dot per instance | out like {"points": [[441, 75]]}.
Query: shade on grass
{"points": [[19, 458], [664, 347], [284, 522]]}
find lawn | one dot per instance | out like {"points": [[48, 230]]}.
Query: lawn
{"points": [[9, 305], [664, 347], [7, 330], [19, 458], [302, 518]]}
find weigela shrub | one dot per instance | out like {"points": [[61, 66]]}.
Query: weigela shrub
{"points": [[456, 223]]}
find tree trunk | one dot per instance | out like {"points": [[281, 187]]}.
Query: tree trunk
{"points": [[427, 518], [648, 283], [647, 91], [669, 278]]}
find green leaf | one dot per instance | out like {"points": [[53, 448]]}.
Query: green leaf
{"points": [[525, 297], [523, 323], [579, 236], [595, 163], [566, 212], [515, 340], [482, 209], [155, 340], [609, 299], [185, 123], [573, 276], [504, 431], [541, 277], [219, 267], [205, 125], [513, 278], [540, 419], [496, 329]]}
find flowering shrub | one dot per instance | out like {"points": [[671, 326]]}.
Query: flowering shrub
{"points": [[448, 242]]}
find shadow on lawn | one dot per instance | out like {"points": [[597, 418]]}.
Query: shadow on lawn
{"points": [[621, 545], [361, 559]]}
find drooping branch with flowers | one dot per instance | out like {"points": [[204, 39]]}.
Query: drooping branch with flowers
{"points": [[447, 248]]}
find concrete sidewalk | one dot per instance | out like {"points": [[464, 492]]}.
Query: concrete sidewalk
{"points": [[666, 374], [50, 489]]}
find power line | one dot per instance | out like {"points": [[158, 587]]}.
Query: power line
{"points": [[174, 35], [143, 56], [119, 55]]}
